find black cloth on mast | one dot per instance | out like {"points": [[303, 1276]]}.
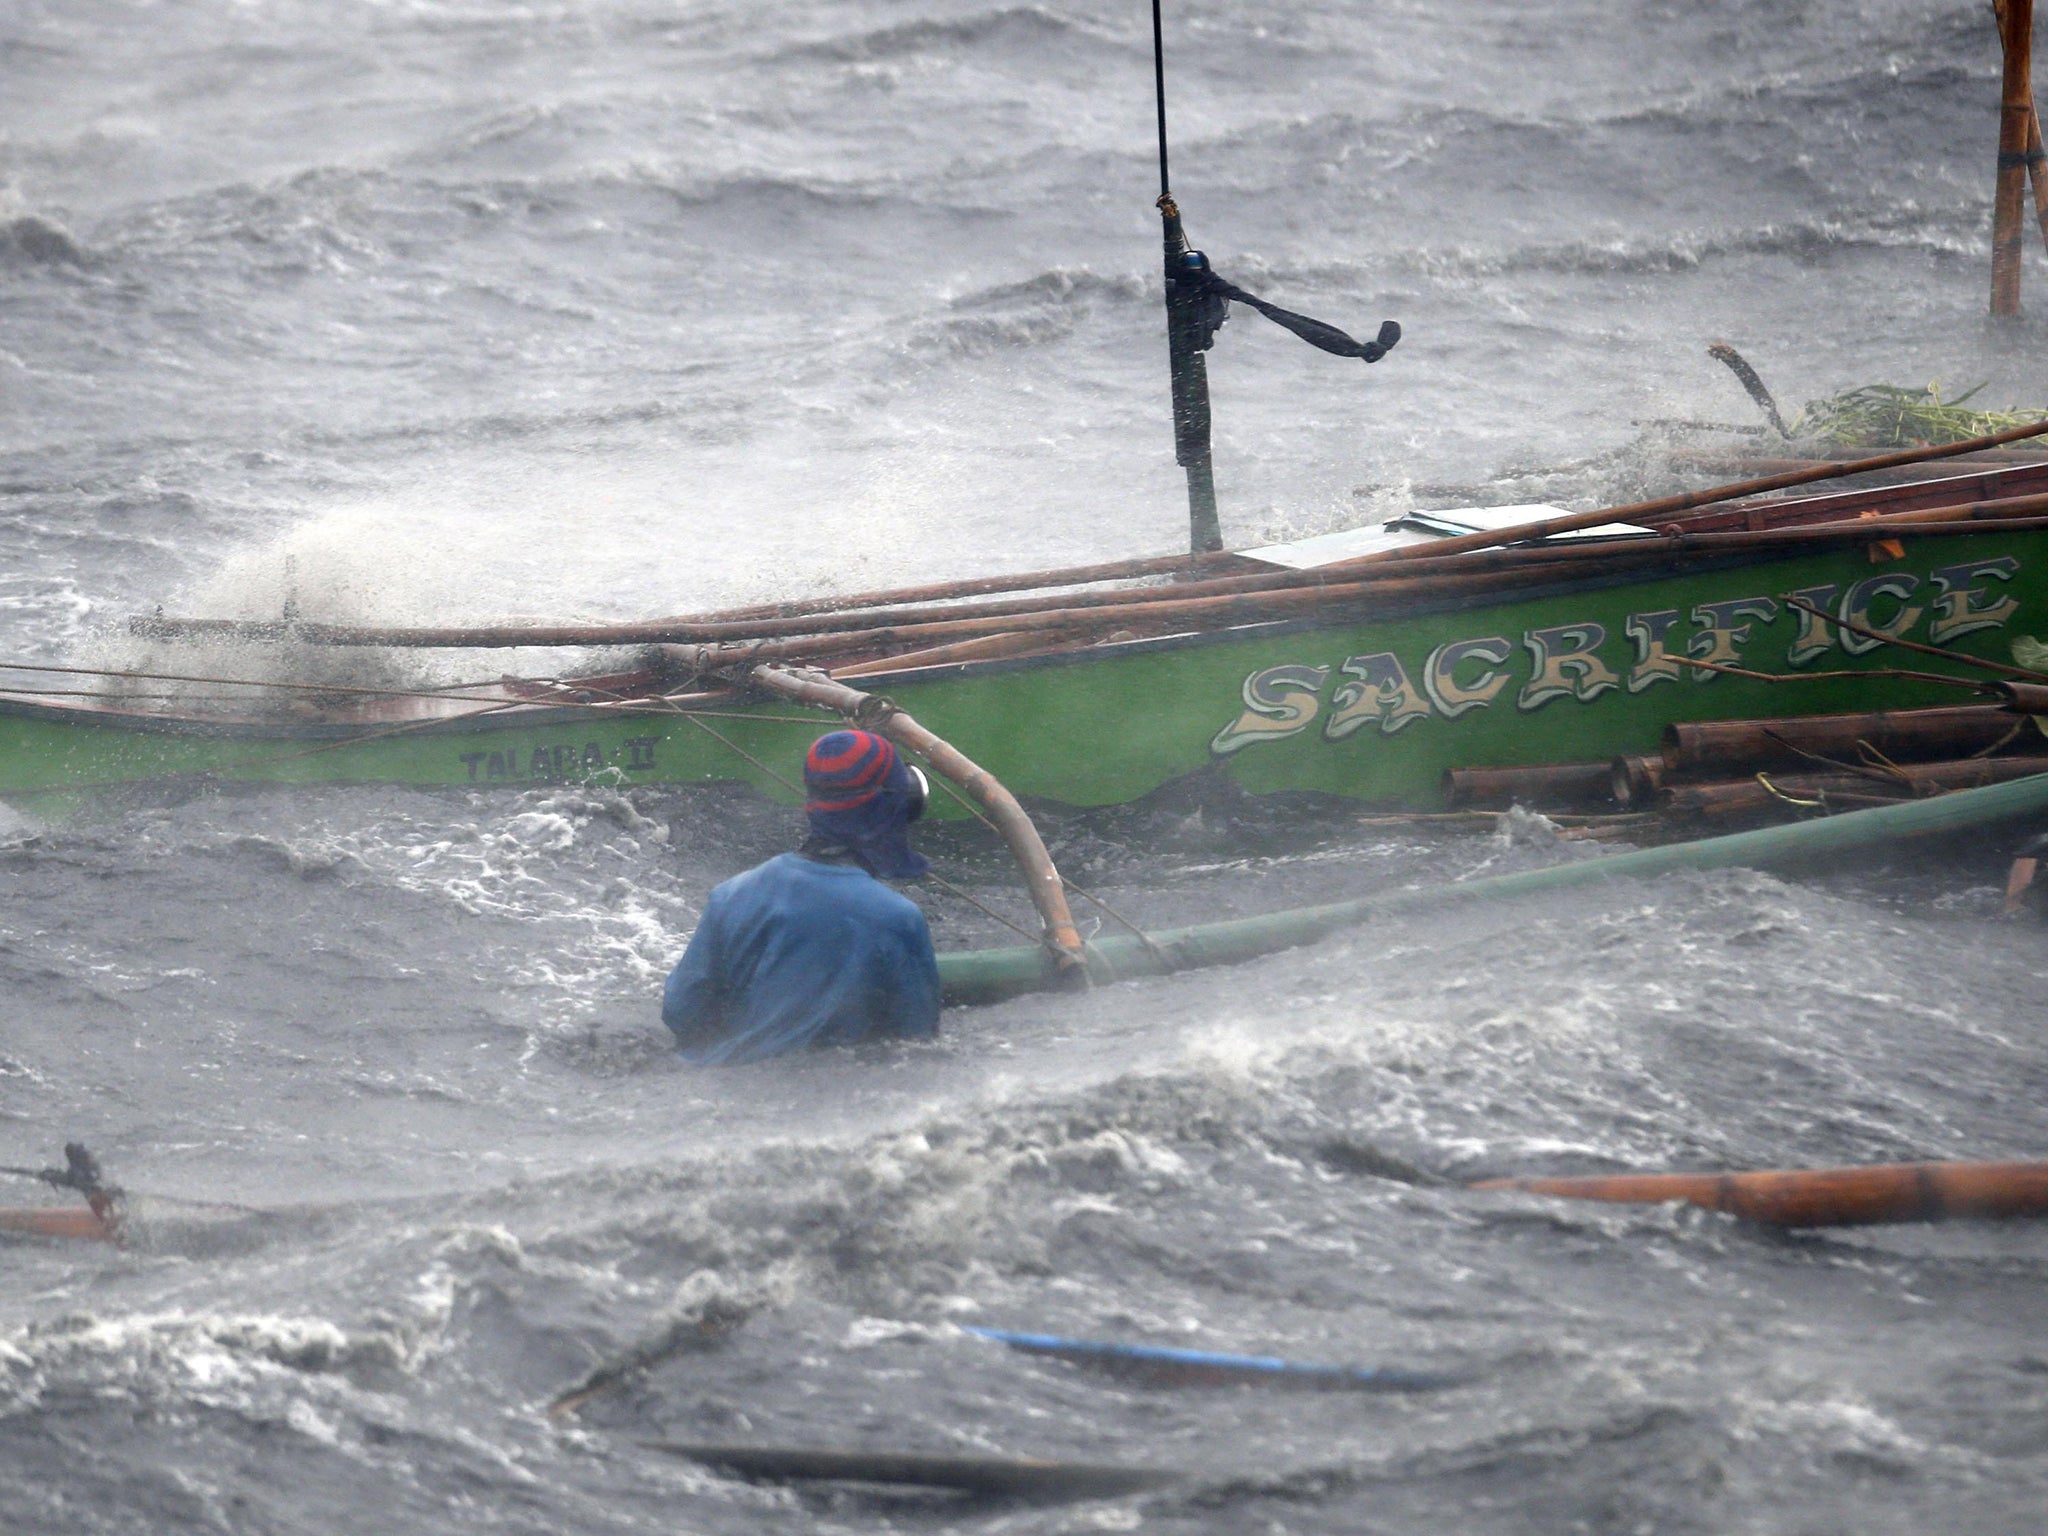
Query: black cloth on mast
{"points": [[1202, 281]]}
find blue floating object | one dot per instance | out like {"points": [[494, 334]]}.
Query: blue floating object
{"points": [[1158, 1366]]}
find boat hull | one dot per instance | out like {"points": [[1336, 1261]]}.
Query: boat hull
{"points": [[1372, 707]]}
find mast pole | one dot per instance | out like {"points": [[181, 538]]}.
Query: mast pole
{"points": [[1186, 336]]}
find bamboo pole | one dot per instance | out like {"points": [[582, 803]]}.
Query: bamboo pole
{"points": [[995, 647], [2019, 472], [1219, 602], [2020, 698], [1946, 653], [1822, 1197], [881, 627], [2015, 133], [1984, 482], [1048, 891], [1723, 745], [1664, 505], [1903, 781], [1905, 478], [989, 975], [1549, 784], [942, 591]]}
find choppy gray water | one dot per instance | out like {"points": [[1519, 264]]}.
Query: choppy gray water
{"points": [[613, 309]]}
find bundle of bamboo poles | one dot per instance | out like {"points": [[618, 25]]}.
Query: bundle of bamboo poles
{"points": [[1728, 768], [963, 621]]}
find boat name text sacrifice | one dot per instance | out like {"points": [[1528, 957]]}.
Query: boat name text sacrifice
{"points": [[1567, 660]]}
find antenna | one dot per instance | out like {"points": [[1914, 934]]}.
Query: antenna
{"points": [[1159, 92]]}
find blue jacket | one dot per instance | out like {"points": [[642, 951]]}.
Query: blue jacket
{"points": [[796, 953]]}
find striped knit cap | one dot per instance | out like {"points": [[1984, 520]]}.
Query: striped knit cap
{"points": [[862, 795], [846, 769]]}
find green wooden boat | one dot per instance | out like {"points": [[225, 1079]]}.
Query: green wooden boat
{"points": [[1373, 702]]}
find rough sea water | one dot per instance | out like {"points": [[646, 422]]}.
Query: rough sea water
{"points": [[461, 309]]}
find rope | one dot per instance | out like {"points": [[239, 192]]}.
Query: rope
{"points": [[73, 787], [1883, 767], [611, 698], [944, 884], [621, 705], [717, 735], [1142, 936], [240, 682], [1115, 916], [1812, 757]]}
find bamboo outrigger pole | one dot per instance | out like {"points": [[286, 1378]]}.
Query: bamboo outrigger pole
{"points": [[990, 975], [2019, 153]]}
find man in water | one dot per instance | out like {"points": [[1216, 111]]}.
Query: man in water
{"points": [[811, 948]]}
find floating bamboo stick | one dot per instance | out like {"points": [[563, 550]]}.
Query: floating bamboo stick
{"points": [[1823, 1197], [1158, 1365], [72, 1222]]}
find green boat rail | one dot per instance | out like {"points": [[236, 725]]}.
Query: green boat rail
{"points": [[992, 975]]}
